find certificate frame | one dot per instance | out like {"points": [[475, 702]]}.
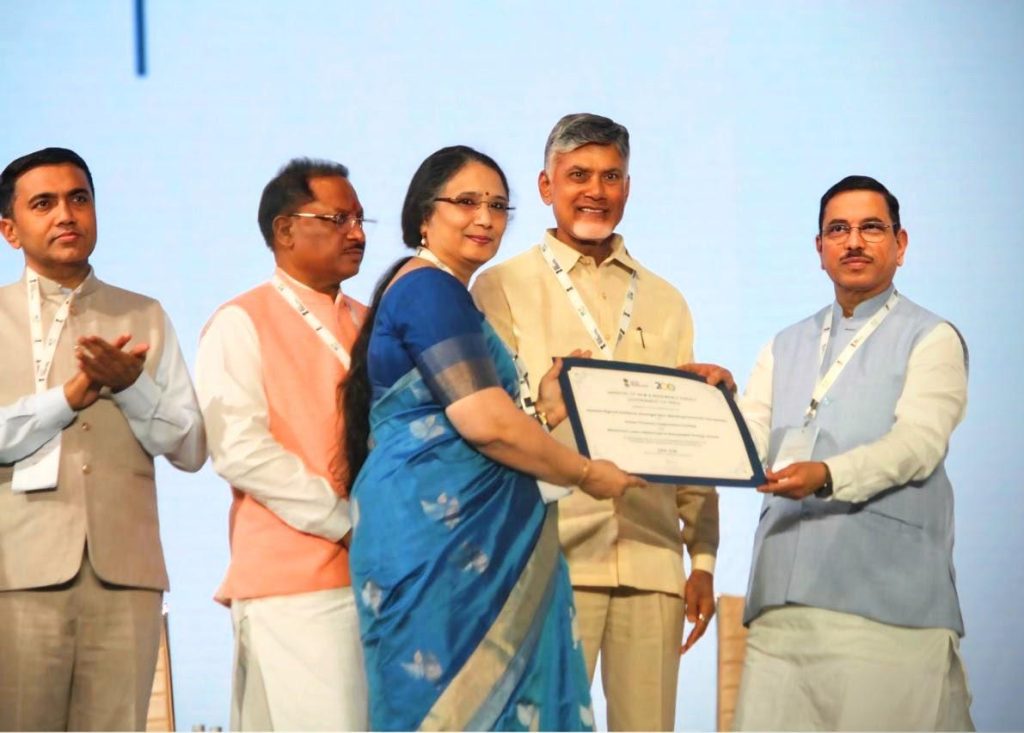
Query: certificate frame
{"points": [[756, 478]]}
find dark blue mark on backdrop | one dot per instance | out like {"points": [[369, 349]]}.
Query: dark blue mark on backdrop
{"points": [[140, 37]]}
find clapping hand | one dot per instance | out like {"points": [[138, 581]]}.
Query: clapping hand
{"points": [[108, 364], [80, 391]]}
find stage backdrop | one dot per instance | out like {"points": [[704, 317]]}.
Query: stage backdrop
{"points": [[740, 116]]}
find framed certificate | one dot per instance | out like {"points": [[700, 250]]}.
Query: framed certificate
{"points": [[668, 426]]}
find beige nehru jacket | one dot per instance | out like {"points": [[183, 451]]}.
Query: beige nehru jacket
{"points": [[635, 541], [105, 490]]}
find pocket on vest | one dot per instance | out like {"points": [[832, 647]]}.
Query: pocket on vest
{"points": [[891, 522]]}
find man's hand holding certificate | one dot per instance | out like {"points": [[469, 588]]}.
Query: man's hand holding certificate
{"points": [[665, 425]]}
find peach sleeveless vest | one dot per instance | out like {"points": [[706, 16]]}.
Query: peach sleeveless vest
{"points": [[300, 378]]}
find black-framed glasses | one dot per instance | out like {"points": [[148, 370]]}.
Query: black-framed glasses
{"points": [[470, 204], [872, 231], [340, 220]]}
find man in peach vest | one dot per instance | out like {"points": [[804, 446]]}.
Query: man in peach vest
{"points": [[94, 386], [269, 365]]}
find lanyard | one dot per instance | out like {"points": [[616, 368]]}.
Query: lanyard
{"points": [[313, 322], [525, 396], [43, 350], [825, 383], [581, 308], [41, 469], [425, 254]]}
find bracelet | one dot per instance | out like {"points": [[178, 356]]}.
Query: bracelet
{"points": [[584, 472]]}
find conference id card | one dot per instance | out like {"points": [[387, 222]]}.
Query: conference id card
{"points": [[550, 493], [664, 425], [797, 445], [39, 471]]}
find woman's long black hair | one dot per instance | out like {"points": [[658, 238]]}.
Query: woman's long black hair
{"points": [[355, 391]]}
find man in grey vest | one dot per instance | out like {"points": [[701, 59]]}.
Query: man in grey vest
{"points": [[852, 607], [94, 386]]}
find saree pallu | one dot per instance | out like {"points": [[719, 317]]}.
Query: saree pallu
{"points": [[464, 599]]}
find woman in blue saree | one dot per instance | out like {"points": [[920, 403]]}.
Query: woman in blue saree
{"points": [[464, 600]]}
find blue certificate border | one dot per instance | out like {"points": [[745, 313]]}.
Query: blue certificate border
{"points": [[757, 477]]}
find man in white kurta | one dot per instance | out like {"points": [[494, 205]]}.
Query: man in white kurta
{"points": [[852, 606], [268, 369]]}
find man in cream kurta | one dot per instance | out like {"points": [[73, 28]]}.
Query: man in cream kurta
{"points": [[268, 370], [625, 556], [94, 386], [852, 605]]}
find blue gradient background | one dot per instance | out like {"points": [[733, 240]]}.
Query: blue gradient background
{"points": [[741, 115]]}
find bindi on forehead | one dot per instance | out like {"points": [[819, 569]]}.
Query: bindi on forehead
{"points": [[479, 194]]}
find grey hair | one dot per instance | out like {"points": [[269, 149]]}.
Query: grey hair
{"points": [[576, 130]]}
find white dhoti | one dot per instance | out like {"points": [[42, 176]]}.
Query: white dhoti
{"points": [[813, 669], [298, 663]]}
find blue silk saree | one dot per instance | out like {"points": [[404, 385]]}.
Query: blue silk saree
{"points": [[464, 601]]}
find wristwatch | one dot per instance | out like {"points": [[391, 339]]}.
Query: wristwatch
{"points": [[825, 492]]}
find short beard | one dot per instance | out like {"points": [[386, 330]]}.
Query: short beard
{"points": [[595, 232]]}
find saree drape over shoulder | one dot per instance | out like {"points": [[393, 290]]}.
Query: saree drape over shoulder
{"points": [[464, 599]]}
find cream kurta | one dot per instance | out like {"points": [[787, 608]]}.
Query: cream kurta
{"points": [[635, 541]]}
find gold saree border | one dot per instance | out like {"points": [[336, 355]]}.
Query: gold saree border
{"points": [[469, 690], [465, 378], [459, 366]]}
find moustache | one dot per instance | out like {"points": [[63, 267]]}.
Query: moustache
{"points": [[68, 230]]}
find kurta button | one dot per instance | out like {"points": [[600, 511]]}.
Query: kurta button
{"points": [[86, 468], [86, 426]]}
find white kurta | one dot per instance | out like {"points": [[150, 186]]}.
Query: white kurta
{"points": [[839, 671], [816, 669]]}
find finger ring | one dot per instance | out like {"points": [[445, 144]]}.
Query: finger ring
{"points": [[701, 617]]}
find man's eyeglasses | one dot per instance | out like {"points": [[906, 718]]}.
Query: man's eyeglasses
{"points": [[342, 221], [470, 204], [872, 231]]}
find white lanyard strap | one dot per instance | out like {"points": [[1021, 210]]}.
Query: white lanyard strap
{"points": [[41, 469], [313, 322], [581, 309], [425, 254], [43, 350], [825, 383], [525, 397]]}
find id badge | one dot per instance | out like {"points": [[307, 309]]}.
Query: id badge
{"points": [[550, 492], [38, 472], [797, 445]]}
